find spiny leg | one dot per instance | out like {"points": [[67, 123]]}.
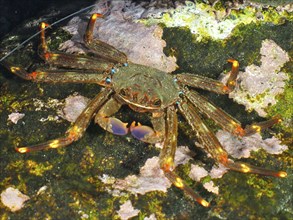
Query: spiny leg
{"points": [[231, 82], [63, 76], [213, 146], [226, 121], [71, 60], [58, 76], [223, 119], [99, 48], [202, 82], [17, 70], [211, 84], [77, 129], [74, 61], [43, 46], [258, 127], [168, 153]]}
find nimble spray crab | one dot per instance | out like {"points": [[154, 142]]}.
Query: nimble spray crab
{"points": [[143, 89]]}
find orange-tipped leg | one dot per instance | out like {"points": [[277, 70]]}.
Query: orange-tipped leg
{"points": [[167, 157], [258, 127], [215, 149], [247, 168], [75, 131], [179, 183], [233, 75], [43, 45], [60, 142], [88, 36], [99, 48]]}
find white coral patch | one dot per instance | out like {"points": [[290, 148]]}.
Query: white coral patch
{"points": [[74, 105], [218, 171], [107, 179], [127, 211], [151, 217], [182, 155], [151, 178], [258, 86], [197, 172], [239, 148], [13, 199], [15, 117], [211, 187]]}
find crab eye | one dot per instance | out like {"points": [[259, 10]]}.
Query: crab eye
{"points": [[122, 92], [157, 102]]}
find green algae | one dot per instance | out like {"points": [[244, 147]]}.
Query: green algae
{"points": [[284, 109], [205, 21], [72, 174], [261, 197], [272, 2]]}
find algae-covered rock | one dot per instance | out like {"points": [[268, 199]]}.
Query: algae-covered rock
{"points": [[82, 180]]}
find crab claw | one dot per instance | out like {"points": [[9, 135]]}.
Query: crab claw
{"points": [[140, 132], [117, 127]]}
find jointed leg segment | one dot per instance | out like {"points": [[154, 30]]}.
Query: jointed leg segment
{"points": [[75, 131], [211, 84], [57, 76], [71, 60], [100, 48], [226, 121], [213, 146], [223, 119], [167, 157]]}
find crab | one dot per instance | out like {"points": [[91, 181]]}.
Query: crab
{"points": [[146, 90]]}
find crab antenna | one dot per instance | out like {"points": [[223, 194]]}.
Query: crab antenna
{"points": [[37, 33]]}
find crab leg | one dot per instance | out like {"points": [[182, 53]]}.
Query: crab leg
{"points": [[257, 127], [58, 76], [71, 60], [202, 83], [211, 84], [168, 153], [77, 61], [226, 121], [108, 123], [213, 146], [231, 82], [100, 48], [76, 130]]}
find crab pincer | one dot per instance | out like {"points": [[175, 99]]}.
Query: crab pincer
{"points": [[140, 132], [117, 127]]}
